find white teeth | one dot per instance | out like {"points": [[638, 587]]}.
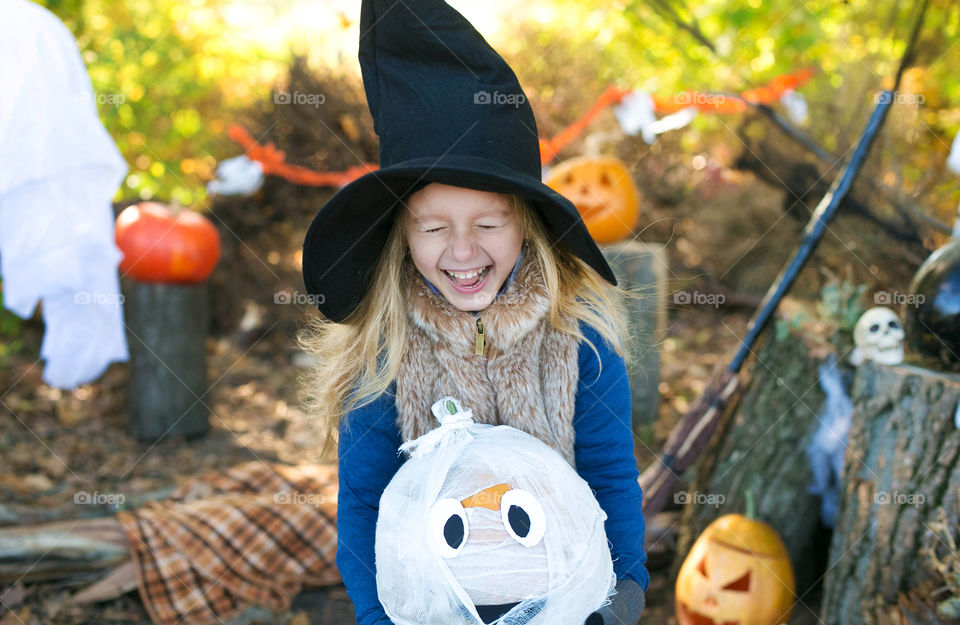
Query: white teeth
{"points": [[465, 276]]}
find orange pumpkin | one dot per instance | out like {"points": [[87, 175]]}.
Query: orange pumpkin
{"points": [[737, 573], [160, 245], [604, 193]]}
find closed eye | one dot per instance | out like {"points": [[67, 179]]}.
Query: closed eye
{"points": [[440, 228]]}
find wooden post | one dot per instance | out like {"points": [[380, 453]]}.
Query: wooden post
{"points": [[166, 333], [643, 267], [900, 498]]}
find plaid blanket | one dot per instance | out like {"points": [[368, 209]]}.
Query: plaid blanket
{"points": [[251, 535]]}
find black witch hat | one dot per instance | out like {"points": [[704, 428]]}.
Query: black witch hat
{"points": [[448, 109]]}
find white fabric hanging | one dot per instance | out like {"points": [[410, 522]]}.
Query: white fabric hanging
{"points": [[59, 170], [826, 450], [237, 176], [635, 113], [796, 107], [953, 159]]}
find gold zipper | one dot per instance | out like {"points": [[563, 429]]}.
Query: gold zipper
{"points": [[478, 343]]}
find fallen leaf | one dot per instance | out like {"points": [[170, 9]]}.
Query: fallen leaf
{"points": [[349, 126], [26, 484], [71, 412], [53, 466], [300, 618], [13, 596], [14, 618], [38, 481]]}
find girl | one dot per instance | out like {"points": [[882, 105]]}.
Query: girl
{"points": [[454, 271]]}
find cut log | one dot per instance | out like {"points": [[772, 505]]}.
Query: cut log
{"points": [[761, 448], [166, 333], [642, 267], [54, 550], [17, 514], [901, 490]]}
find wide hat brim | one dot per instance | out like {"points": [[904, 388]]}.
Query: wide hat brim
{"points": [[347, 236]]}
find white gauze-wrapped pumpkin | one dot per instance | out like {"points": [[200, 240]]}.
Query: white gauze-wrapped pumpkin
{"points": [[486, 524]]}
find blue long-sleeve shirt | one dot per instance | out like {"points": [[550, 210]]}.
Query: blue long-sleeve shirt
{"points": [[603, 450]]}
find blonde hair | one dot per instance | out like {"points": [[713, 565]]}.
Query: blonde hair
{"points": [[357, 360]]}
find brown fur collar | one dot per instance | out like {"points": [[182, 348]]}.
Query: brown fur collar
{"points": [[526, 377]]}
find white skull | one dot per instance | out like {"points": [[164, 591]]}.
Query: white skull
{"points": [[879, 337]]}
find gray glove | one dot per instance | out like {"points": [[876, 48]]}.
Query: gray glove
{"points": [[625, 607]]}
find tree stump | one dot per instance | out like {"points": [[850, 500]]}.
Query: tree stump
{"points": [[762, 448], [642, 267], [899, 503], [166, 334]]}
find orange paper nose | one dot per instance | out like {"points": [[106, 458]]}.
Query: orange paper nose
{"points": [[487, 498]]}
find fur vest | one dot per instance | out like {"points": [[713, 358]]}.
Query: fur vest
{"points": [[526, 377]]}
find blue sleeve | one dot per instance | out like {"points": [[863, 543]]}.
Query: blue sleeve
{"points": [[368, 460], [603, 450]]}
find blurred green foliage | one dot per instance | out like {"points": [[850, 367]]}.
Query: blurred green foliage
{"points": [[10, 337], [666, 47], [169, 79], [183, 74], [856, 44], [784, 326], [840, 304]]}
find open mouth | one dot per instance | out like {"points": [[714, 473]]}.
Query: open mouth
{"points": [[490, 613], [468, 281], [689, 617]]}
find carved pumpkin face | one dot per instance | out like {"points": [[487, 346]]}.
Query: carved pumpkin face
{"points": [[738, 573], [604, 193]]}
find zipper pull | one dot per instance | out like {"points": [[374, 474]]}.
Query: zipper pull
{"points": [[478, 344]]}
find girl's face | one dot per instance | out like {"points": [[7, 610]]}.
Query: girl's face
{"points": [[464, 241]]}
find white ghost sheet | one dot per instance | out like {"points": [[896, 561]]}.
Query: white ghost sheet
{"points": [[59, 170]]}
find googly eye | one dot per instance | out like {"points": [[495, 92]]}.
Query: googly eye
{"points": [[523, 517], [448, 527]]}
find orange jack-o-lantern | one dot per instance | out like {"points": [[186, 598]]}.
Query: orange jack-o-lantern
{"points": [[738, 573], [604, 193]]}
